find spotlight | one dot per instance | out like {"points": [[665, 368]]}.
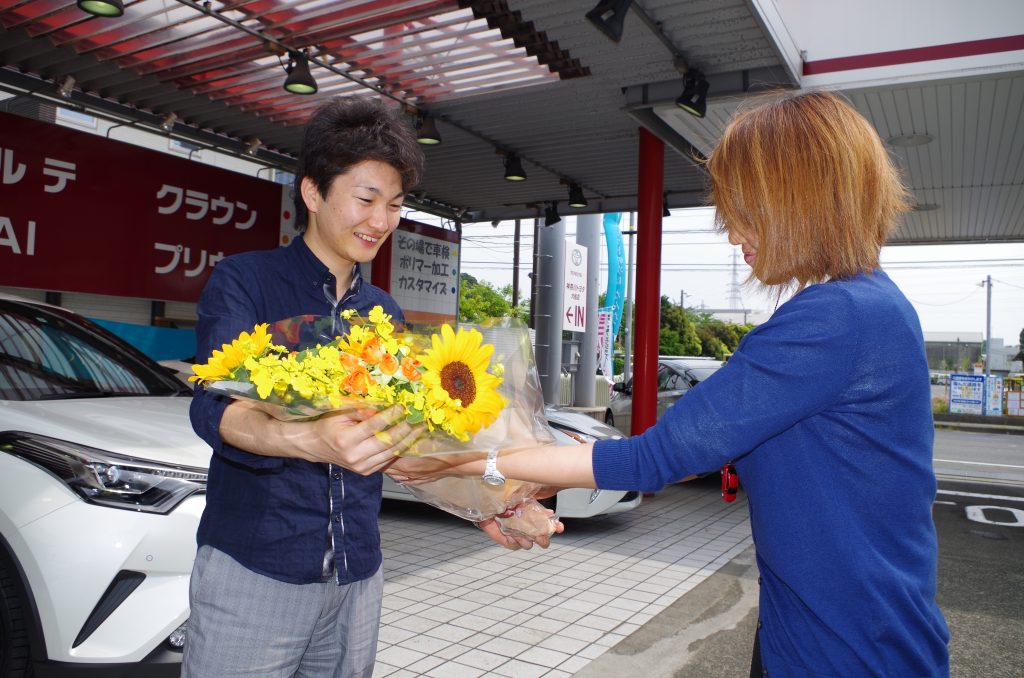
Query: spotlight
{"points": [[253, 145], [299, 80], [551, 214], [576, 197], [514, 168], [109, 8], [608, 17], [426, 130], [167, 124], [694, 99], [66, 86]]}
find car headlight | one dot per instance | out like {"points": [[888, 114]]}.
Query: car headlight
{"points": [[107, 478]]}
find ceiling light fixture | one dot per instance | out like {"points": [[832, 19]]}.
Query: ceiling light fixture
{"points": [[608, 17], [66, 87], [106, 8], [694, 99], [551, 214], [576, 197], [167, 124], [513, 168], [426, 130], [299, 80]]}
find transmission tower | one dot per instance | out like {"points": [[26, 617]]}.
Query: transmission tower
{"points": [[734, 286]]}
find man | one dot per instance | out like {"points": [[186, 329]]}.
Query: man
{"points": [[287, 580]]}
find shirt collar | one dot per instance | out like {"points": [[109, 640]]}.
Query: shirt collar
{"points": [[314, 270]]}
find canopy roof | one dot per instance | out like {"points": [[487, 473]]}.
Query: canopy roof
{"points": [[531, 77]]}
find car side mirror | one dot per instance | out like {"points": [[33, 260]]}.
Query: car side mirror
{"points": [[620, 387]]}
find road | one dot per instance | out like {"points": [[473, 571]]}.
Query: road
{"points": [[988, 456]]}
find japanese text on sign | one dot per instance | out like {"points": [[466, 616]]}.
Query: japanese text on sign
{"points": [[424, 274], [198, 205], [574, 293]]}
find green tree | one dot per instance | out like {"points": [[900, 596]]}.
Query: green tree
{"points": [[678, 335], [479, 300]]}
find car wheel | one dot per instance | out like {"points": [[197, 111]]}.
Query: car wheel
{"points": [[15, 658], [609, 419]]}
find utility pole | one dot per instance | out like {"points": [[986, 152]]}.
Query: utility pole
{"points": [[988, 330]]}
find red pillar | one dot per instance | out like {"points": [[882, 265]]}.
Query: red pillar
{"points": [[647, 325], [380, 271]]}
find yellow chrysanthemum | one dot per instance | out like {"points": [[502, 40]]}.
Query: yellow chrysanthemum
{"points": [[223, 363], [457, 364]]}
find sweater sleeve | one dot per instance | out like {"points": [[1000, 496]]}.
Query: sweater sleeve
{"points": [[786, 370]]}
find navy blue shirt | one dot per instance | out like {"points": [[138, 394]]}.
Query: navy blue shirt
{"points": [[826, 410], [281, 517]]}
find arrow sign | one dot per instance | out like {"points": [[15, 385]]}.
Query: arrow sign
{"points": [[574, 294]]}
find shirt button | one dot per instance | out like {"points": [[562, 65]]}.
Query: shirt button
{"points": [[337, 475], [758, 623], [764, 672], [337, 519]]}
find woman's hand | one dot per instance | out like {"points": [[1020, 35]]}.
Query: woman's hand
{"points": [[514, 542]]}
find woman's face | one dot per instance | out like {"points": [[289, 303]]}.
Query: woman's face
{"points": [[747, 241]]}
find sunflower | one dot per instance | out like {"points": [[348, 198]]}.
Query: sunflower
{"points": [[224, 362], [456, 363]]}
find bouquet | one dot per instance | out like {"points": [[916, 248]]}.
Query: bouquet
{"points": [[472, 388]]}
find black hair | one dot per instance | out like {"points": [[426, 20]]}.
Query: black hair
{"points": [[346, 131]]}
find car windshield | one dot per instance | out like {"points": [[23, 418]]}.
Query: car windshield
{"points": [[702, 373], [49, 354]]}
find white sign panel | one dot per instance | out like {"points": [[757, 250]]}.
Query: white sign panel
{"points": [[574, 297], [425, 277], [966, 393], [605, 341], [994, 396]]}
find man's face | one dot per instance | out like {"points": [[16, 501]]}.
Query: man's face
{"points": [[362, 208]]}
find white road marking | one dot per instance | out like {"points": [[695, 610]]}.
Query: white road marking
{"points": [[980, 496], [976, 463]]}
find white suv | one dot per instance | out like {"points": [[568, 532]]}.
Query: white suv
{"points": [[102, 484]]}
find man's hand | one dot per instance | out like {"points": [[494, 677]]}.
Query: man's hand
{"points": [[360, 444]]}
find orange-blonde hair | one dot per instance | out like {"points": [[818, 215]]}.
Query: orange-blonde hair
{"points": [[809, 177]]}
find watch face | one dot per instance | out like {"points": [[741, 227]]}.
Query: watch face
{"points": [[494, 480]]}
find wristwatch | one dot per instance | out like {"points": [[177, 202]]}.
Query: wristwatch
{"points": [[492, 476]]}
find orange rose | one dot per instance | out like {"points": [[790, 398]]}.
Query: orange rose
{"points": [[373, 351], [388, 364], [409, 370], [357, 382], [348, 361]]}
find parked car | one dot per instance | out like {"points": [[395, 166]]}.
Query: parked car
{"points": [[102, 484], [676, 376], [570, 428]]}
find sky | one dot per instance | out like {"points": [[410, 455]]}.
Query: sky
{"points": [[945, 283]]}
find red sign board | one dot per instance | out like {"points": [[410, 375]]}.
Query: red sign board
{"points": [[82, 213]]}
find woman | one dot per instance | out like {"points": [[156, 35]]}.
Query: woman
{"points": [[824, 409]]}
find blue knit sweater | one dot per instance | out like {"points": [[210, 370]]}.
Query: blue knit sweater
{"points": [[826, 411]]}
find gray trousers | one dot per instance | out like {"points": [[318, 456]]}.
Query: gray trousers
{"points": [[245, 624]]}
